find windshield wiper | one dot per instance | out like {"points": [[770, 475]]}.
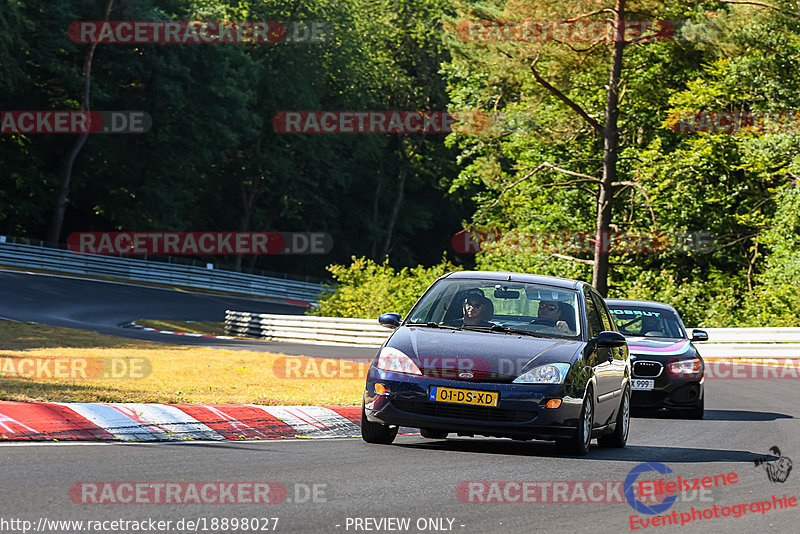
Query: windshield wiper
{"points": [[506, 330], [433, 325], [525, 332]]}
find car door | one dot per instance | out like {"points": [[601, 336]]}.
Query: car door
{"points": [[619, 363], [600, 358]]}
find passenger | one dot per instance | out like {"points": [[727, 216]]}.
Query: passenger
{"points": [[550, 314]]}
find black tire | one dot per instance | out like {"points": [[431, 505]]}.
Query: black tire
{"points": [[620, 435], [376, 432], [579, 443], [432, 433], [698, 410]]}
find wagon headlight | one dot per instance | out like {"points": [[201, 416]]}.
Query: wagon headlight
{"points": [[391, 359], [552, 373], [685, 368]]}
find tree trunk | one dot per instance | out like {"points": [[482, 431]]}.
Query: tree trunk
{"points": [[376, 222], [401, 182], [54, 231], [610, 156], [249, 195]]}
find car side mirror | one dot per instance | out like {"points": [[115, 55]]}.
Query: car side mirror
{"points": [[390, 320], [609, 338], [699, 335]]}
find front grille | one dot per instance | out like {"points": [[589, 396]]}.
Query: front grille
{"points": [[646, 369], [463, 411]]}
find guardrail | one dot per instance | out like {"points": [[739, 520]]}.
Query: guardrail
{"points": [[750, 343], [299, 329], [19, 255], [723, 342]]}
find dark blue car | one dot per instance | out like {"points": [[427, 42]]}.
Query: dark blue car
{"points": [[504, 355]]}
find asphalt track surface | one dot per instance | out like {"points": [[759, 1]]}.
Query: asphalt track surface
{"points": [[417, 478], [104, 307], [414, 478]]}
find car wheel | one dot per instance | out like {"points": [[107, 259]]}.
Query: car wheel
{"points": [[620, 435], [580, 442], [432, 433], [698, 410], [376, 432]]}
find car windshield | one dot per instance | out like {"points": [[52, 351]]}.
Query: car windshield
{"points": [[533, 309], [646, 321]]}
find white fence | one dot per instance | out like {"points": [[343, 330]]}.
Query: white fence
{"points": [[722, 343], [750, 343], [64, 261], [300, 329]]}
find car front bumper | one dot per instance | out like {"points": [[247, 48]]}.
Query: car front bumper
{"points": [[674, 393], [520, 412]]}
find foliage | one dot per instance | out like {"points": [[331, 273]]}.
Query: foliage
{"points": [[367, 289], [213, 160], [776, 298]]}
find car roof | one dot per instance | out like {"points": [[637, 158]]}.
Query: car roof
{"points": [[502, 276], [641, 303]]}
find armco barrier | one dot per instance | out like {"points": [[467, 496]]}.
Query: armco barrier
{"points": [[19, 255], [299, 329], [750, 343], [723, 342]]}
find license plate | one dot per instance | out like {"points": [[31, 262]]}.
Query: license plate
{"points": [[464, 396], [640, 384]]}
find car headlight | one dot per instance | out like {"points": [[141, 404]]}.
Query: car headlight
{"points": [[391, 359], [552, 373], [685, 368]]}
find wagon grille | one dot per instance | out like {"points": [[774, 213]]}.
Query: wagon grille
{"points": [[647, 369]]}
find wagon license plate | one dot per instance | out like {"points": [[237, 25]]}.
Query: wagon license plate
{"points": [[464, 396], [640, 384]]}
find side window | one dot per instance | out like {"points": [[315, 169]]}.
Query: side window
{"points": [[592, 315], [605, 315]]}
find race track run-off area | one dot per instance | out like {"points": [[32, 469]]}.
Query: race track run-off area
{"points": [[172, 422], [177, 468]]}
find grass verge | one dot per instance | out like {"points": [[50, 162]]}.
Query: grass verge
{"points": [[190, 327], [51, 364]]}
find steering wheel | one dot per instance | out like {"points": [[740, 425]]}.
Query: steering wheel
{"points": [[543, 321]]}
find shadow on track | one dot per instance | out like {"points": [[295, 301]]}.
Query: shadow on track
{"points": [[714, 415], [631, 453]]}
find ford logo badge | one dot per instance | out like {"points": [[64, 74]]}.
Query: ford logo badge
{"points": [[465, 375]]}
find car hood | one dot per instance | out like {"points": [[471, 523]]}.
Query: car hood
{"points": [[489, 356], [650, 347]]}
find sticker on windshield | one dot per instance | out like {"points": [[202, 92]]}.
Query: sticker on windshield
{"points": [[636, 312]]}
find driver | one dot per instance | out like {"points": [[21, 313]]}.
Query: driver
{"points": [[550, 312], [477, 308], [651, 326]]}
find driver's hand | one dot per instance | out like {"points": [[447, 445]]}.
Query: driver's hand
{"points": [[562, 325]]}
